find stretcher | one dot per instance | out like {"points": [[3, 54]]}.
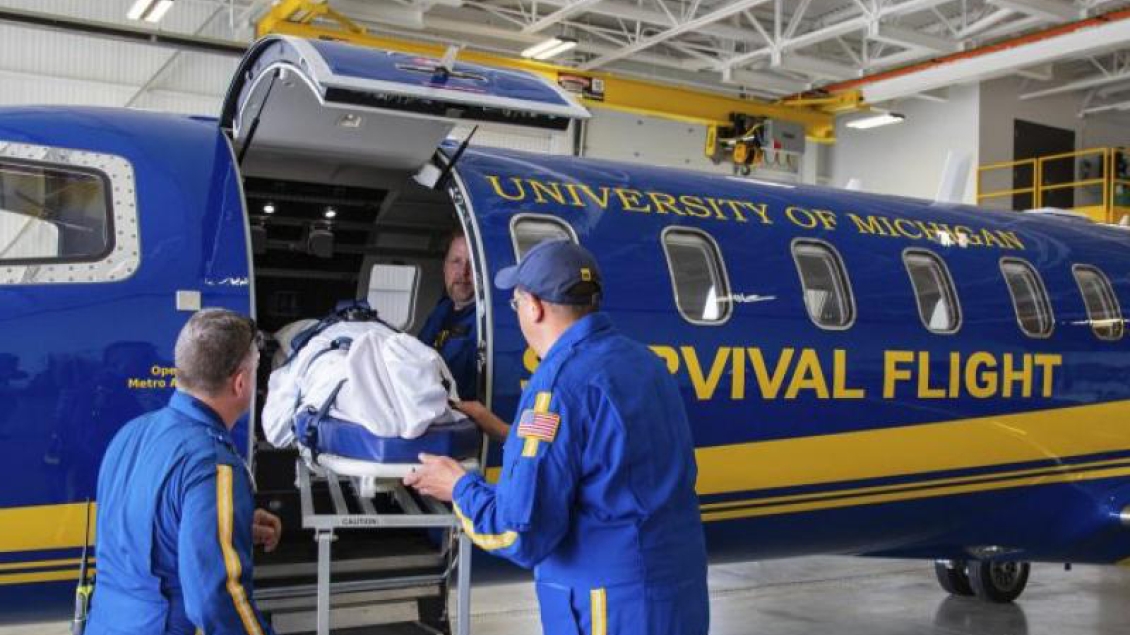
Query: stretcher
{"points": [[349, 449]]}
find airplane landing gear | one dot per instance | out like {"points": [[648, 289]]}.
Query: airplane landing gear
{"points": [[996, 582], [952, 577]]}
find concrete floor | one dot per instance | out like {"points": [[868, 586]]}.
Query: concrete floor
{"points": [[846, 596]]}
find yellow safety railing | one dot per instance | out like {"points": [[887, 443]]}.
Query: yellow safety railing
{"points": [[1030, 189], [1103, 169]]}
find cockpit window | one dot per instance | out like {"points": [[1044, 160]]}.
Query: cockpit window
{"points": [[527, 230], [50, 214], [1102, 305], [827, 292], [66, 216], [1029, 298], [698, 276], [933, 289]]}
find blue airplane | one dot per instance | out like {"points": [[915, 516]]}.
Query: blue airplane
{"points": [[865, 374]]}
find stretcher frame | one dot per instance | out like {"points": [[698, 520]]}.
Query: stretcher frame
{"points": [[432, 515]]}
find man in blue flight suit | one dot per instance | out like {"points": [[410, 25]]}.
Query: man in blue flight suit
{"points": [[451, 328], [176, 518], [597, 485]]}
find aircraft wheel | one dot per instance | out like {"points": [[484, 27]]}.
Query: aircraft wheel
{"points": [[951, 575], [998, 582]]}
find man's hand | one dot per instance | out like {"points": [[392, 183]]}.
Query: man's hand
{"points": [[473, 409], [266, 529], [436, 477], [487, 421]]}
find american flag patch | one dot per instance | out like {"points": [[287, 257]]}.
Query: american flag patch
{"points": [[538, 425]]}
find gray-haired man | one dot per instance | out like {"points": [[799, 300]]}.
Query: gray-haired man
{"points": [[176, 517]]}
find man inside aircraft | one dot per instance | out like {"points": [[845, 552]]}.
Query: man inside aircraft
{"points": [[176, 518], [452, 326], [597, 487]]}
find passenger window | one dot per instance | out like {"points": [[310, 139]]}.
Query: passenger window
{"points": [[698, 276], [49, 214], [527, 230], [392, 293], [66, 216], [1029, 298], [1102, 305], [827, 292], [933, 288]]}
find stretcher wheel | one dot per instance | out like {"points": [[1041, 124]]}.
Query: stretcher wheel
{"points": [[952, 577], [998, 582]]}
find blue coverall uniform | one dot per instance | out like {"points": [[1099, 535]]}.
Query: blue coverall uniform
{"points": [[597, 492], [455, 334], [175, 509]]}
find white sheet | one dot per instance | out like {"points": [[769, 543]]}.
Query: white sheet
{"points": [[394, 384]]}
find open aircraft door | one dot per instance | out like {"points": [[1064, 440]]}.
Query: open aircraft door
{"points": [[336, 113], [379, 109]]}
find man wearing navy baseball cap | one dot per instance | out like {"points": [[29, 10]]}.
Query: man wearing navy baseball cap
{"points": [[597, 486]]}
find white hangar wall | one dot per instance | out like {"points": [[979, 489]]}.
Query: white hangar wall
{"points": [[907, 159]]}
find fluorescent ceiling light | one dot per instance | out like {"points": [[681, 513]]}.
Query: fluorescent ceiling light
{"points": [[552, 47], [875, 120], [149, 10]]}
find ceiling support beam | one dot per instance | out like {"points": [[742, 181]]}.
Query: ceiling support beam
{"points": [[1042, 73], [832, 31], [986, 22], [909, 38], [727, 10], [1070, 87], [1087, 37], [1094, 110], [631, 12], [568, 11], [1051, 10], [817, 67], [766, 82]]}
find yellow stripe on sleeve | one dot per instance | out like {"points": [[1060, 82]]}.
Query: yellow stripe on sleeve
{"points": [[224, 521], [486, 542], [541, 402], [530, 447], [598, 603]]}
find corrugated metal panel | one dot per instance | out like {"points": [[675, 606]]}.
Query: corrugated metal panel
{"points": [[47, 67]]}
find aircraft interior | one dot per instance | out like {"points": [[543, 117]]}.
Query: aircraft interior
{"points": [[321, 233]]}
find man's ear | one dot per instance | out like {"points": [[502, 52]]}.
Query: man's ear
{"points": [[538, 308], [239, 382]]}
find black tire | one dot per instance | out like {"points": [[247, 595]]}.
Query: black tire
{"points": [[998, 582], [951, 575]]}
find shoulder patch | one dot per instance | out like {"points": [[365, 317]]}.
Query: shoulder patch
{"points": [[538, 425]]}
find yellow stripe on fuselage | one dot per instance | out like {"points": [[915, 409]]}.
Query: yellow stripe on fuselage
{"points": [[42, 564], [44, 527], [915, 449], [947, 490], [42, 576], [1048, 472]]}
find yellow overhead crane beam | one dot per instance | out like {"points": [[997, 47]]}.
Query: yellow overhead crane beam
{"points": [[296, 17]]}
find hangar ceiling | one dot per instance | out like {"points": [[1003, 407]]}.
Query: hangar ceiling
{"points": [[761, 48]]}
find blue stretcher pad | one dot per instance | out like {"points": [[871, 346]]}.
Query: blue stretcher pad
{"points": [[460, 440]]}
